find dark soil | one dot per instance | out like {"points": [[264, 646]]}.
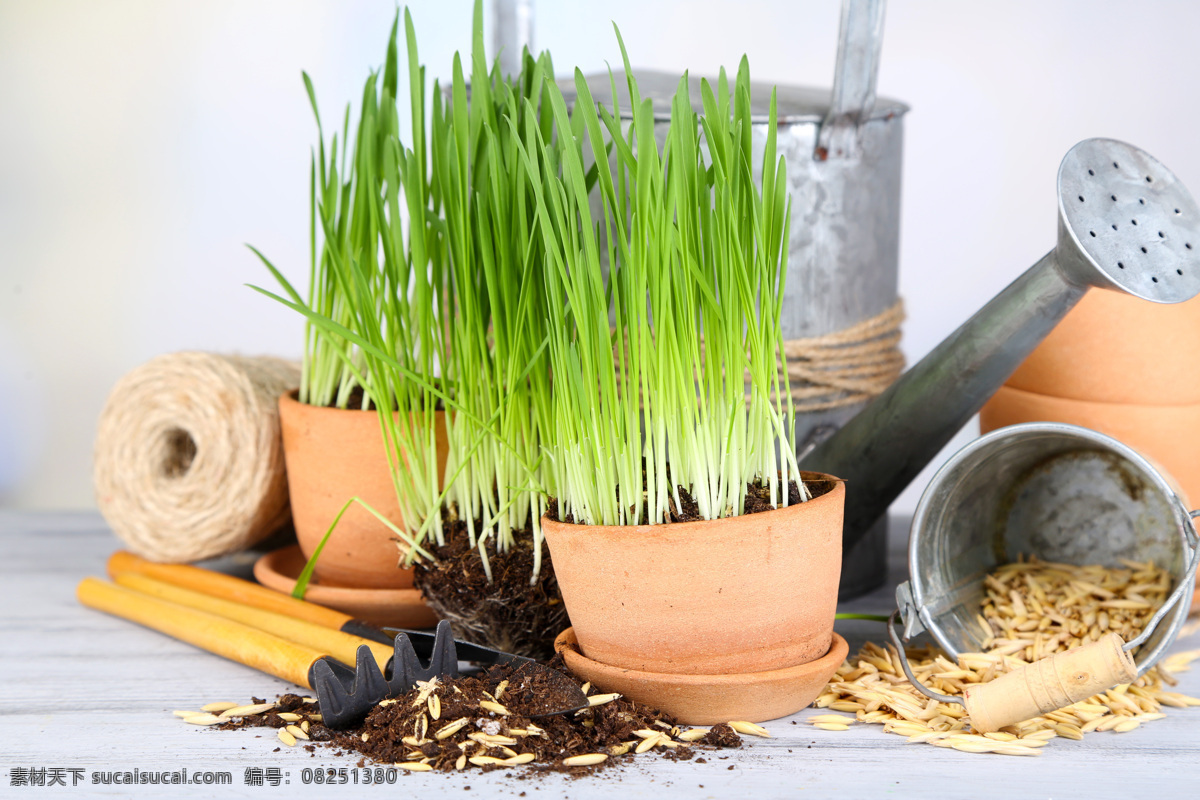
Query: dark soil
{"points": [[355, 401], [404, 730], [758, 499], [722, 736], [508, 613], [534, 692]]}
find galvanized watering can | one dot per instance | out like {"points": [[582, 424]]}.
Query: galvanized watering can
{"points": [[1064, 494], [1125, 223]]}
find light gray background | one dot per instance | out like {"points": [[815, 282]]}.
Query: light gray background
{"points": [[142, 143]]}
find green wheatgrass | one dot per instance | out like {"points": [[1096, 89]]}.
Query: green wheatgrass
{"points": [[437, 305], [666, 366], [497, 327], [376, 295]]}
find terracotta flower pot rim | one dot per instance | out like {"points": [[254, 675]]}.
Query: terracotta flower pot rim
{"points": [[271, 571], [1089, 403], [838, 650], [839, 489], [404, 608], [293, 396]]}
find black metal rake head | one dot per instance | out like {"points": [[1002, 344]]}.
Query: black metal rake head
{"points": [[347, 695]]}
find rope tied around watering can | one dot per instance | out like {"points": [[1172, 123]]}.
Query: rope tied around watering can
{"points": [[836, 369], [848, 366]]}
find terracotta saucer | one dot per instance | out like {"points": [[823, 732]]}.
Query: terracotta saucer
{"points": [[397, 608], [709, 699]]}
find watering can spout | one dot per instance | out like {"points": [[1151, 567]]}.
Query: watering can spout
{"points": [[884, 446], [1125, 223]]}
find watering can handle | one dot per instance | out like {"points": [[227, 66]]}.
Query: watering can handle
{"points": [[859, 44], [512, 33]]}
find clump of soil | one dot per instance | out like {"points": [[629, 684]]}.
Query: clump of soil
{"points": [[722, 736], [758, 496], [507, 613], [460, 724], [290, 704]]}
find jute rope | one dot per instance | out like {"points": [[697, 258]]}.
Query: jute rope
{"points": [[188, 456], [844, 367], [847, 366]]}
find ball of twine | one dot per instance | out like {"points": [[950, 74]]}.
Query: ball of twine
{"points": [[188, 455]]}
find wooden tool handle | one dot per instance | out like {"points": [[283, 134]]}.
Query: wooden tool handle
{"points": [[227, 587], [1049, 684], [237, 642], [341, 646]]}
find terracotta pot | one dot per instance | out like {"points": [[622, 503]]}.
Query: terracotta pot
{"points": [[1167, 435], [1115, 348], [396, 608], [710, 699], [741, 594], [332, 455]]}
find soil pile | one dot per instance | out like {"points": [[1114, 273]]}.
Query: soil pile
{"points": [[507, 613], [490, 721]]}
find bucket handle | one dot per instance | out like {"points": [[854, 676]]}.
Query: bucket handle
{"points": [[859, 44], [1059, 680]]}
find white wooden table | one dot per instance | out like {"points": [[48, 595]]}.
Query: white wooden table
{"points": [[85, 693]]}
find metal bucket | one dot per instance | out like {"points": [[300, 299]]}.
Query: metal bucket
{"points": [[1058, 492], [844, 152]]}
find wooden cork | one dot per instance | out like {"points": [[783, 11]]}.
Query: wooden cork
{"points": [[1049, 684]]}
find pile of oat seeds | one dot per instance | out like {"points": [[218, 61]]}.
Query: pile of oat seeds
{"points": [[1032, 609]]}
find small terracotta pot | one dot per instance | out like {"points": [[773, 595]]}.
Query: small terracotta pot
{"points": [[1116, 348], [332, 455], [1167, 435], [740, 594], [396, 608], [711, 699]]}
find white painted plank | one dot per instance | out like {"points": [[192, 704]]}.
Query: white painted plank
{"points": [[85, 690]]}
